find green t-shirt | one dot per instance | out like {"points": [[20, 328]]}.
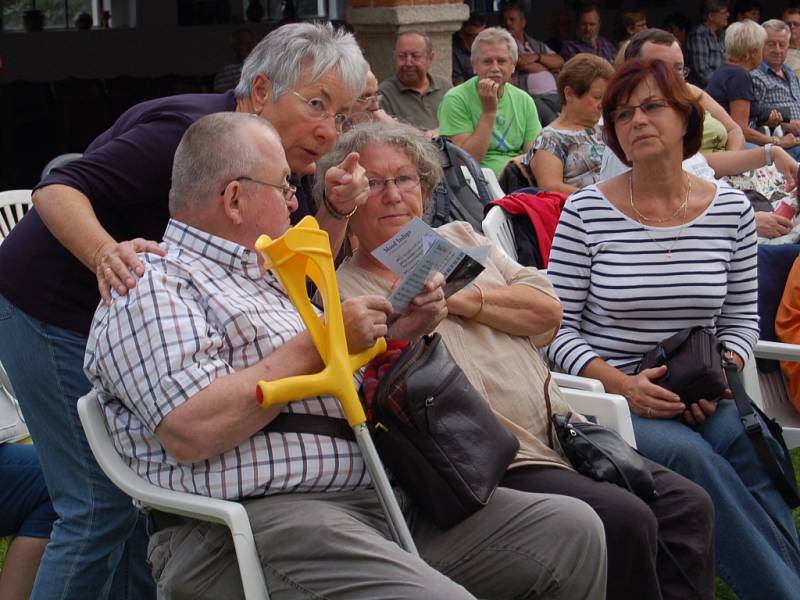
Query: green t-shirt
{"points": [[517, 121]]}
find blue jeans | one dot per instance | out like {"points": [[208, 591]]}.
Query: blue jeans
{"points": [[98, 545], [757, 549], [27, 510]]}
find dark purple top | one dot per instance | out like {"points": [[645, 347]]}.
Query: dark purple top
{"points": [[604, 49], [731, 82], [125, 173]]}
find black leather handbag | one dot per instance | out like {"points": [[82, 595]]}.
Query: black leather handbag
{"points": [[437, 435], [694, 365], [600, 453]]}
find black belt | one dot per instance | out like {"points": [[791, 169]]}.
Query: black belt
{"points": [[304, 423]]}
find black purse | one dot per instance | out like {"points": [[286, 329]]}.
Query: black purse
{"points": [[694, 365], [600, 453], [437, 435]]}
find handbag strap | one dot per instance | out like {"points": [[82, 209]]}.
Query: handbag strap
{"points": [[780, 470], [316, 424], [549, 406]]}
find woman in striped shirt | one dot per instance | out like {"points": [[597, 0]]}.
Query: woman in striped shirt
{"points": [[638, 258]]}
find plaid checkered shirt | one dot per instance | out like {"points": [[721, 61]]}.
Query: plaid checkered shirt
{"points": [[776, 92], [705, 52], [201, 312]]}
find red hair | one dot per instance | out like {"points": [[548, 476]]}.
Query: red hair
{"points": [[675, 91]]}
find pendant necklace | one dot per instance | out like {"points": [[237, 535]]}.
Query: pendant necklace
{"points": [[684, 207]]}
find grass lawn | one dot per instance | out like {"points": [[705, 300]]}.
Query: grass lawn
{"points": [[723, 592]]}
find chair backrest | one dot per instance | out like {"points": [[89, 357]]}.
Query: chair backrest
{"points": [[13, 206], [59, 161], [232, 514], [768, 390], [497, 227]]}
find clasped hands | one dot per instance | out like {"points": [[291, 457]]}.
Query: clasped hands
{"points": [[650, 400]]}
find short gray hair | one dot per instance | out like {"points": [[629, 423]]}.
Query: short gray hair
{"points": [[743, 38], [775, 25], [285, 52], [493, 35], [420, 150], [214, 150]]}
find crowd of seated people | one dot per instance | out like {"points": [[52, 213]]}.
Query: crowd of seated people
{"points": [[163, 209]]}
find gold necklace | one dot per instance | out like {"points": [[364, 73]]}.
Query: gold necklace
{"points": [[684, 206], [654, 219]]}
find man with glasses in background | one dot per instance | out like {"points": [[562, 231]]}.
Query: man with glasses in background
{"points": [[80, 242], [413, 93], [367, 106]]}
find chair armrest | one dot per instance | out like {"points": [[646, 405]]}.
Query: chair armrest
{"points": [[609, 410], [578, 383]]}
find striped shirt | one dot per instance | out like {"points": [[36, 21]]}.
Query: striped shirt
{"points": [[622, 294], [201, 312]]}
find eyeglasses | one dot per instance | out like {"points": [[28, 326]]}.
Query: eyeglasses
{"points": [[681, 70], [287, 190], [625, 114], [404, 183], [315, 107], [370, 99]]}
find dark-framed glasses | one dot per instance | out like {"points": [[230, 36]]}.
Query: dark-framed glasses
{"points": [[404, 183], [624, 114], [316, 109], [287, 190]]}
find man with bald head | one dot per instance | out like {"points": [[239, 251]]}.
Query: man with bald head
{"points": [[413, 93]]}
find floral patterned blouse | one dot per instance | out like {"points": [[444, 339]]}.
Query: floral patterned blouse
{"points": [[580, 152]]}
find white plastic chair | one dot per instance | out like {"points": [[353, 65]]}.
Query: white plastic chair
{"points": [[497, 227], [588, 397], [231, 514], [13, 206], [59, 161], [769, 392], [12, 424], [491, 182]]}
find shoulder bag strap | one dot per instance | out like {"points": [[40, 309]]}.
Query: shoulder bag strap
{"points": [[549, 406], [780, 470]]}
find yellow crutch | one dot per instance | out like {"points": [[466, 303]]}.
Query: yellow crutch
{"points": [[304, 252]]}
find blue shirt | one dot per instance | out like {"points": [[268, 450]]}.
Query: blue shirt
{"points": [[776, 92]]}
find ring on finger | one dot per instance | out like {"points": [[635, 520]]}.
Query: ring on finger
{"points": [[649, 412], [109, 270]]}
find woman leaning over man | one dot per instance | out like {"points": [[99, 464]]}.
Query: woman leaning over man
{"points": [[643, 255], [493, 329]]}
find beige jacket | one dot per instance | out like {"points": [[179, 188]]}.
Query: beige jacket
{"points": [[508, 370]]}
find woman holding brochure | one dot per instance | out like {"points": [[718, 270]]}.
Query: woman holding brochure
{"points": [[493, 330]]}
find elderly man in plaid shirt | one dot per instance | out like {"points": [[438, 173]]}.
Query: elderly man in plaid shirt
{"points": [[178, 358], [777, 87]]}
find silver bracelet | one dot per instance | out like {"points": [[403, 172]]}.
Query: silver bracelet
{"points": [[768, 154]]}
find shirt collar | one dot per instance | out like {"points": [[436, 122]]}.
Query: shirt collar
{"points": [[227, 254], [432, 85], [765, 68]]}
